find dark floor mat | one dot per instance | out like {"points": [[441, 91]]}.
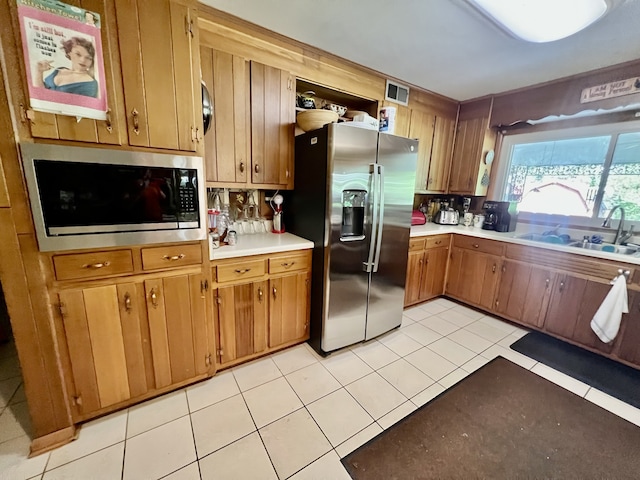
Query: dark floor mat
{"points": [[502, 422], [616, 379]]}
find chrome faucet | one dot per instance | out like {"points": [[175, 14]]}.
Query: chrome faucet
{"points": [[607, 224]]}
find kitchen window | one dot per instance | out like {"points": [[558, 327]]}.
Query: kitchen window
{"points": [[573, 176]]}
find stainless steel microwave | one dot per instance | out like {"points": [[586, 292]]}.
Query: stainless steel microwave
{"points": [[93, 197]]}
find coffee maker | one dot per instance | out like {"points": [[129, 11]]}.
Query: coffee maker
{"points": [[500, 216]]}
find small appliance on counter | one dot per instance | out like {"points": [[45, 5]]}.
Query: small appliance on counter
{"points": [[418, 218], [447, 216], [499, 216]]}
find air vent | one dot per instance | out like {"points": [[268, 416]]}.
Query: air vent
{"points": [[397, 93]]}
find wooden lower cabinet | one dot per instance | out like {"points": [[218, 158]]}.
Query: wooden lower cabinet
{"points": [[128, 338], [523, 292], [242, 320], [261, 304], [473, 276], [629, 343], [573, 304], [289, 308], [426, 270]]}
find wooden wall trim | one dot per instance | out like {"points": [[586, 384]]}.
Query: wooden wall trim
{"points": [[223, 31], [562, 97]]}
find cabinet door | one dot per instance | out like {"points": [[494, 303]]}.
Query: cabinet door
{"points": [[272, 126], [454, 285], [227, 148], [467, 151], [415, 265], [421, 127], [288, 308], [629, 343], [178, 328], [96, 346], [523, 292], [564, 306], [441, 152], [242, 320], [161, 73], [594, 294], [432, 283]]}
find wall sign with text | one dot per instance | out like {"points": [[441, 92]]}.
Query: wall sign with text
{"points": [[62, 49], [628, 86]]}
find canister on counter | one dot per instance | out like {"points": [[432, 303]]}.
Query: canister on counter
{"points": [[214, 240], [231, 237]]}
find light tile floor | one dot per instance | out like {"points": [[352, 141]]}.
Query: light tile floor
{"points": [[292, 414]]}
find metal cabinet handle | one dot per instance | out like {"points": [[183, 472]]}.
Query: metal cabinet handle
{"points": [[546, 283], [173, 258], [244, 270], [257, 168], [493, 269], [96, 265], [504, 268], [420, 261], [260, 295], [287, 264], [136, 123], [107, 121], [127, 302], [241, 167], [561, 286], [438, 242], [275, 292], [154, 298], [475, 245]]}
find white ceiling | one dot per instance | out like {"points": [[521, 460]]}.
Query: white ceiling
{"points": [[444, 46]]}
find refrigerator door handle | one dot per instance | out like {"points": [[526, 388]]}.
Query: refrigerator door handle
{"points": [[373, 171], [380, 222]]}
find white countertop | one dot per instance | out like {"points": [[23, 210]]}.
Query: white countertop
{"points": [[434, 229], [260, 243]]}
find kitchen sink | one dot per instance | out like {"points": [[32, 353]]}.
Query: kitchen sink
{"points": [[538, 237], [606, 247]]}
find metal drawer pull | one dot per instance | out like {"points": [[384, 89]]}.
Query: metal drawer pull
{"points": [[154, 298], [493, 269], [174, 257], [287, 264], [475, 245], [438, 242], [260, 295], [127, 302], [244, 270], [96, 265]]}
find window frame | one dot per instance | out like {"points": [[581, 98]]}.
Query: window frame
{"points": [[510, 139]]}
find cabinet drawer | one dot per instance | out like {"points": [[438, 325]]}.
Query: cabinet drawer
{"points": [[239, 271], [479, 245], [416, 244], [436, 241], [90, 265], [289, 263], [171, 256]]}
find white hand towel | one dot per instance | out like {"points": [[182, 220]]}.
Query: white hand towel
{"points": [[606, 321]]}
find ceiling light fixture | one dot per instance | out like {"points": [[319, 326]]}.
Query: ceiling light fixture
{"points": [[542, 20]]}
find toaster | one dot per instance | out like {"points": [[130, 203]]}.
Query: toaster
{"points": [[447, 217]]}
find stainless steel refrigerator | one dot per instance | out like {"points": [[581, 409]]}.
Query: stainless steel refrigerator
{"points": [[353, 198]]}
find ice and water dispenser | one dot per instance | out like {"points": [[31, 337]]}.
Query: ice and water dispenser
{"points": [[353, 203]]}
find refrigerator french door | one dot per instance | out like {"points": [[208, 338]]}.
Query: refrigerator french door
{"points": [[353, 198]]}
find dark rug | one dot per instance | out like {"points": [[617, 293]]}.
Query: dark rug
{"points": [[502, 422], [616, 379]]}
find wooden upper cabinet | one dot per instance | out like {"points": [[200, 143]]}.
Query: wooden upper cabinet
{"points": [[421, 127], [272, 126], [226, 145], [64, 127], [474, 139], [161, 73], [441, 152]]}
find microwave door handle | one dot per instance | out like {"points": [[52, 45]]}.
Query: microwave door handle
{"points": [[380, 222], [373, 169]]}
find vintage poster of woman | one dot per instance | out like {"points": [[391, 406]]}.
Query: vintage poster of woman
{"points": [[63, 57]]}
